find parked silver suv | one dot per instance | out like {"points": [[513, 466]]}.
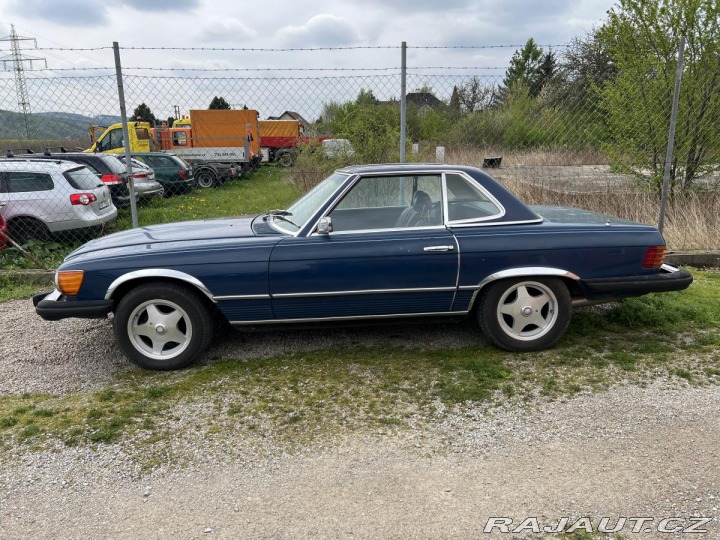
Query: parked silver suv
{"points": [[40, 198]]}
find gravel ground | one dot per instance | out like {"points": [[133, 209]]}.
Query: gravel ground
{"points": [[80, 354], [629, 451]]}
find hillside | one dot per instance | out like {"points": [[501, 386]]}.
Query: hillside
{"points": [[50, 125]]}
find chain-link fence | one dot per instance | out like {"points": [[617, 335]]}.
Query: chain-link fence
{"points": [[577, 132]]}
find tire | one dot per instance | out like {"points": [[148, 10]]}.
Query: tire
{"points": [[206, 178], [23, 229], [526, 314], [181, 313], [285, 158]]}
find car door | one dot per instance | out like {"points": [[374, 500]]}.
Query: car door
{"points": [[389, 254]]}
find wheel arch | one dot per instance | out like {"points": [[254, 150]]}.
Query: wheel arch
{"points": [[120, 286], [570, 279]]}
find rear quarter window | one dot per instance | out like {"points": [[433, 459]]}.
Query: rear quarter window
{"points": [[114, 164], [82, 178]]}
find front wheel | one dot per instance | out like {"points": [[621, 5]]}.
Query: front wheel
{"points": [[527, 314], [162, 326]]}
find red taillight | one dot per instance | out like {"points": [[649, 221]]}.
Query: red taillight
{"points": [[654, 257], [82, 198], [183, 174], [112, 179], [140, 175]]}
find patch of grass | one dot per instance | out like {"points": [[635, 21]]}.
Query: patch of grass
{"points": [[13, 289], [259, 191]]}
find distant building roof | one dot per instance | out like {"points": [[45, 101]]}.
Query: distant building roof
{"points": [[423, 99], [291, 115]]}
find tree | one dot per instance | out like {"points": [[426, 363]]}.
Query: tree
{"points": [[524, 68], [585, 67], [455, 99], [641, 37], [143, 113], [473, 96], [170, 121], [218, 102], [366, 97]]}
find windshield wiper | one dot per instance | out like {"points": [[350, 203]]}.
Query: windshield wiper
{"points": [[282, 216]]}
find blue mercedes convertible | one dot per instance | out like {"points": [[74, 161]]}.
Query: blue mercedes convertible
{"points": [[369, 242]]}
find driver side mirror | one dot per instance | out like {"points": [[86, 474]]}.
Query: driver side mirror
{"points": [[325, 226]]}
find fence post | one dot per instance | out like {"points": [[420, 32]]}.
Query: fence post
{"points": [[126, 138], [403, 105], [671, 135]]}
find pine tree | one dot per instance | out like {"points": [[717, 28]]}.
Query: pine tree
{"points": [[218, 102]]}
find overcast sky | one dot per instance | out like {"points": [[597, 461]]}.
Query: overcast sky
{"points": [[293, 24], [298, 23]]}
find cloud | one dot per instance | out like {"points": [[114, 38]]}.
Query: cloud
{"points": [[322, 30], [67, 12], [228, 30], [162, 5]]}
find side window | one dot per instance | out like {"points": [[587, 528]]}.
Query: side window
{"points": [[179, 138], [23, 182], [390, 202], [114, 140], [142, 133], [467, 201]]}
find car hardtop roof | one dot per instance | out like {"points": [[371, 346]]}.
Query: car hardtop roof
{"points": [[32, 163], [409, 167]]}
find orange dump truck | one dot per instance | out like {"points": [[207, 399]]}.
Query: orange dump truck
{"points": [[278, 139], [216, 143]]}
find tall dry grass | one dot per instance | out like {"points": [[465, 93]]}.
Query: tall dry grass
{"points": [[692, 221]]}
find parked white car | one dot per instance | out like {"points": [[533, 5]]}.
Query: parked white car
{"points": [[334, 148], [40, 198]]}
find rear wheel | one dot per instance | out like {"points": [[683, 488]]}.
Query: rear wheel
{"points": [[285, 158], [162, 326], [526, 314], [206, 178], [23, 229]]}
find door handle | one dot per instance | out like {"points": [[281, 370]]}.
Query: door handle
{"points": [[439, 248]]}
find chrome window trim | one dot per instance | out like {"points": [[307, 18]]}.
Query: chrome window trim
{"points": [[477, 186], [158, 273], [358, 177], [394, 229], [495, 223], [349, 318]]}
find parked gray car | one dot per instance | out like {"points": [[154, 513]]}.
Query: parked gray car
{"points": [[40, 198]]}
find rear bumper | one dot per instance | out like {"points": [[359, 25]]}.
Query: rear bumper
{"points": [[670, 279], [54, 306]]}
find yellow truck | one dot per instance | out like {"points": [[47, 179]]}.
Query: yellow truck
{"points": [[216, 143]]}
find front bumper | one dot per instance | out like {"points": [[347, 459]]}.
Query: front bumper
{"points": [[671, 279], [54, 306]]}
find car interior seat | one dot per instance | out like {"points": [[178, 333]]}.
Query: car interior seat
{"points": [[418, 213]]}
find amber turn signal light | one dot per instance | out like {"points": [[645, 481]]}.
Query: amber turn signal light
{"points": [[69, 281]]}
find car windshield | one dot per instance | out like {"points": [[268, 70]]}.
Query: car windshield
{"points": [[304, 208]]}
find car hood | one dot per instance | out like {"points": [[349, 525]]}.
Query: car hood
{"points": [[185, 232]]}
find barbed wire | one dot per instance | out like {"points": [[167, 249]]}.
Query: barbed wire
{"points": [[394, 68], [292, 49]]}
